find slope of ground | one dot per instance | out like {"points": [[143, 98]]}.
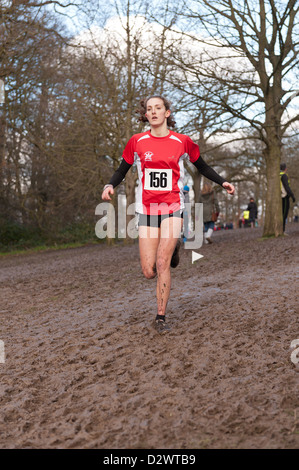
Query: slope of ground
{"points": [[85, 369]]}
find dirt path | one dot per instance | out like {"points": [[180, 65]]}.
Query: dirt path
{"points": [[84, 368]]}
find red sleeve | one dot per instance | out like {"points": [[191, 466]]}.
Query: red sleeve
{"points": [[192, 149], [129, 151]]}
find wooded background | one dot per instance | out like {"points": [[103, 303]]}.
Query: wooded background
{"points": [[72, 76]]}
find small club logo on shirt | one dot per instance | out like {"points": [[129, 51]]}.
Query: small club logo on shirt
{"points": [[148, 156]]}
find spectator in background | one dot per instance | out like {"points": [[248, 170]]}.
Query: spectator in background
{"points": [[286, 193], [210, 210], [246, 219], [252, 208]]}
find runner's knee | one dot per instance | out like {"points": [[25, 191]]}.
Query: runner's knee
{"points": [[149, 272], [163, 264]]}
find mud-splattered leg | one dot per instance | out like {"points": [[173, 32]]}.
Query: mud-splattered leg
{"points": [[170, 232], [149, 238]]}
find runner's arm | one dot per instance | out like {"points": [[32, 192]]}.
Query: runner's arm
{"points": [[115, 180], [211, 174], [120, 173], [208, 172]]}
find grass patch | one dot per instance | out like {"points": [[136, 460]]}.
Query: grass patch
{"points": [[38, 248], [269, 237], [262, 239], [17, 239]]}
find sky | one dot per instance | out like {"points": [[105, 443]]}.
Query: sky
{"points": [[75, 23]]}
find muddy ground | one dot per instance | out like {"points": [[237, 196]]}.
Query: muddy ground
{"points": [[85, 369]]}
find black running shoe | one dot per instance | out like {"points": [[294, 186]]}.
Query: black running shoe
{"points": [[161, 326], [176, 256]]}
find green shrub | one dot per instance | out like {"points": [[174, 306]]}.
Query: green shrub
{"points": [[14, 236]]}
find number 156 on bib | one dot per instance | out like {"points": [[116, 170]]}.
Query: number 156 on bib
{"points": [[158, 180]]}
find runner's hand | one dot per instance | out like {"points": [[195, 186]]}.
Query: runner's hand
{"points": [[106, 193], [229, 187]]}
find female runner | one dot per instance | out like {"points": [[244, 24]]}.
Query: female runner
{"points": [[159, 154]]}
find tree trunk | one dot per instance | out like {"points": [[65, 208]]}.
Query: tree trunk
{"points": [[273, 225], [2, 146], [2, 159], [273, 217], [239, 203]]}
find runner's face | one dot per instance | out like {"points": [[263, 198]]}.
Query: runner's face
{"points": [[156, 112]]}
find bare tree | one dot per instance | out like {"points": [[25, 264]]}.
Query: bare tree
{"points": [[130, 52], [29, 54], [248, 55]]}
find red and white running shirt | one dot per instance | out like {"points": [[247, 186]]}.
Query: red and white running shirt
{"points": [[160, 168]]}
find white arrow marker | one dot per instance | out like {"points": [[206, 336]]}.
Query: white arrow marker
{"points": [[196, 256]]}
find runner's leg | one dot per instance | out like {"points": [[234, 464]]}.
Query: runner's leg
{"points": [[170, 233], [148, 246]]}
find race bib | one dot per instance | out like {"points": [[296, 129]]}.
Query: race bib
{"points": [[157, 180]]}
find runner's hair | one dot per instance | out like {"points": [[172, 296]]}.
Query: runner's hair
{"points": [[142, 110]]}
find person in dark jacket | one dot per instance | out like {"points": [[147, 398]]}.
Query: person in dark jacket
{"points": [[252, 208], [286, 193], [210, 207]]}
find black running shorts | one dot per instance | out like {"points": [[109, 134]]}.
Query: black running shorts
{"points": [[148, 220]]}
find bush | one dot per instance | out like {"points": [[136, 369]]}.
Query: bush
{"points": [[74, 233], [15, 236]]}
